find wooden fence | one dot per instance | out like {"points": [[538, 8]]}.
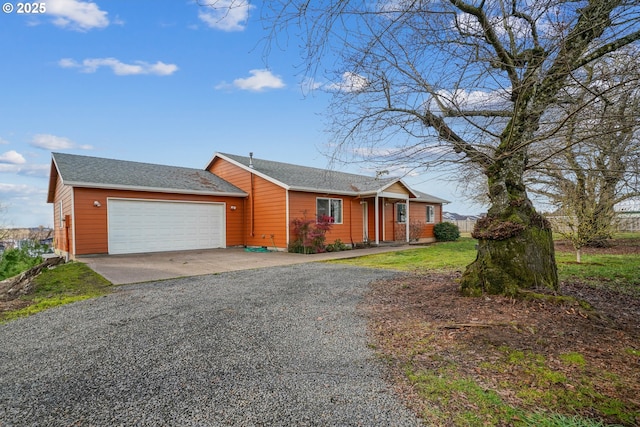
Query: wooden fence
{"points": [[464, 225]]}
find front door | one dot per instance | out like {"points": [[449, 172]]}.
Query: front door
{"points": [[365, 222]]}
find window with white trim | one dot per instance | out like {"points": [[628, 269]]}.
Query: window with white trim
{"points": [[329, 207], [401, 213], [431, 214]]}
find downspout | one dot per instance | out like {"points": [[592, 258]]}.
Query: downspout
{"points": [[251, 217], [351, 221], [73, 220]]}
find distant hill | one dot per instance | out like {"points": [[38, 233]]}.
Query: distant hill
{"points": [[452, 216]]}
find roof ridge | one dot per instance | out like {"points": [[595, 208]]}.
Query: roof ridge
{"points": [[127, 161], [275, 162]]}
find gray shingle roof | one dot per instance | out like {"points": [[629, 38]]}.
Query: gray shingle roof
{"points": [[120, 174], [428, 198], [307, 178]]}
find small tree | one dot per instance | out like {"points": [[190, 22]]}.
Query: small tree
{"points": [[16, 260], [598, 151], [310, 234]]}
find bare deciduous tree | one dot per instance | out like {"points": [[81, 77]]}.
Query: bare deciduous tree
{"points": [[425, 82], [589, 166]]}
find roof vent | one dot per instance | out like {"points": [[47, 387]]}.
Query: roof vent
{"points": [[251, 160]]}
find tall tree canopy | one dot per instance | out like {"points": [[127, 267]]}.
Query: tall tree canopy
{"points": [[477, 82]]}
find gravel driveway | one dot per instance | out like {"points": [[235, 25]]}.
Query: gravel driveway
{"points": [[281, 346]]}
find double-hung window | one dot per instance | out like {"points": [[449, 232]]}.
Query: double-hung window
{"points": [[431, 214], [401, 213], [329, 207]]}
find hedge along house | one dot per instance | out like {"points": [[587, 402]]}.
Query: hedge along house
{"points": [[114, 206], [363, 208], [111, 206]]}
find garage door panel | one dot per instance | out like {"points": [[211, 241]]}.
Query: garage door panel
{"points": [[152, 226]]}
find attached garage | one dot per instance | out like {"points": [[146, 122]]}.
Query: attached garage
{"points": [[137, 226], [107, 206]]}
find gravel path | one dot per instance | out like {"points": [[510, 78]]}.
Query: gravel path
{"points": [[281, 346]]}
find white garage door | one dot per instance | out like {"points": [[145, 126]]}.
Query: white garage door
{"points": [[154, 226]]}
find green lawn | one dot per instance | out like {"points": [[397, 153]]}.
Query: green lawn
{"points": [[62, 285], [598, 270], [438, 256]]}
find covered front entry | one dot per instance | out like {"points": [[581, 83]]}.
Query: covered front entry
{"points": [[380, 214], [137, 226]]}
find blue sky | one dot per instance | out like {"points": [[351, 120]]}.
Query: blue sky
{"points": [[161, 82]]}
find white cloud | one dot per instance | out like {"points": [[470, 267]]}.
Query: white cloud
{"points": [[259, 81], [39, 171], [12, 157], [21, 189], [52, 142], [7, 168], [76, 14], [226, 15], [475, 99], [3, 141], [91, 65], [351, 82]]}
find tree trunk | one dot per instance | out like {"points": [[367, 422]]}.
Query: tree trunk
{"points": [[515, 249]]}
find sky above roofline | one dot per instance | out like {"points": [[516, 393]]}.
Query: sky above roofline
{"points": [[158, 82]]}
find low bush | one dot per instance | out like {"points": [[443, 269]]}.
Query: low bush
{"points": [[337, 246], [446, 232]]}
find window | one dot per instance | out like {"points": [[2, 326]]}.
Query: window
{"points": [[431, 214], [401, 213], [61, 215], [329, 207]]}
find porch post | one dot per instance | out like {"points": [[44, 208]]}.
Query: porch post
{"points": [[376, 217], [406, 225]]}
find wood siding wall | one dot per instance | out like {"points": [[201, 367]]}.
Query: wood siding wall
{"points": [[62, 231], [396, 188], [418, 214], [265, 207], [267, 223], [91, 221], [303, 205]]}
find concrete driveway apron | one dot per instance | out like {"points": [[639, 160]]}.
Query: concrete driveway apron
{"points": [[135, 268]]}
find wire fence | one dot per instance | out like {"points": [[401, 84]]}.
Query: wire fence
{"points": [[626, 223]]}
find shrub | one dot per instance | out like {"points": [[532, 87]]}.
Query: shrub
{"points": [[337, 246], [446, 231], [310, 234], [15, 261]]}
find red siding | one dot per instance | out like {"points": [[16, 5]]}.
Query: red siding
{"points": [[265, 209], [91, 221], [62, 230], [303, 205]]}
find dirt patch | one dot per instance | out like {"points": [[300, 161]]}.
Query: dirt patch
{"points": [[422, 322]]}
